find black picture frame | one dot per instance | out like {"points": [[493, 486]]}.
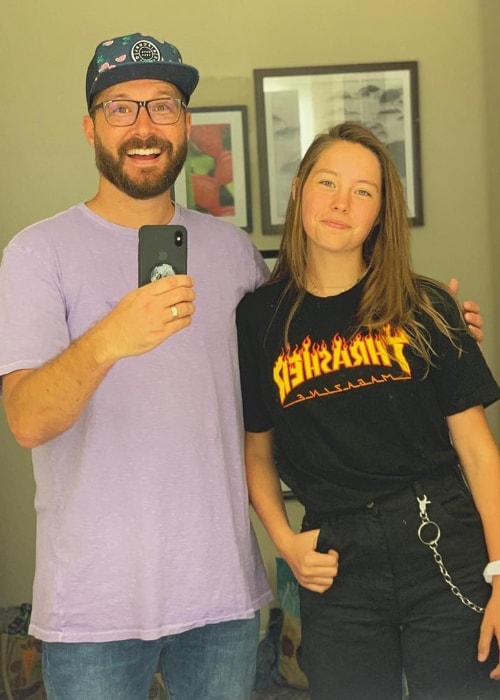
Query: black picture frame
{"points": [[270, 257], [215, 178], [295, 104]]}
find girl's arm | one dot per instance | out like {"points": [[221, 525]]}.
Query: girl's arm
{"points": [[480, 461], [313, 570]]}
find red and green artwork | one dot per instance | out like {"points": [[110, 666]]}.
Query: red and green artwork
{"points": [[209, 170]]}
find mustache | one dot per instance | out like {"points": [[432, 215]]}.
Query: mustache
{"points": [[149, 142]]}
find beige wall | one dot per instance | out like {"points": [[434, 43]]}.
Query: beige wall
{"points": [[490, 78], [47, 166]]}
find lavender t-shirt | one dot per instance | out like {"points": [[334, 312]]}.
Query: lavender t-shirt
{"points": [[142, 509]]}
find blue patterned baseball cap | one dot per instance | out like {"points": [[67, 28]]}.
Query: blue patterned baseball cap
{"points": [[136, 57]]}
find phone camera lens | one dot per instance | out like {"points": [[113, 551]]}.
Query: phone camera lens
{"points": [[178, 238]]}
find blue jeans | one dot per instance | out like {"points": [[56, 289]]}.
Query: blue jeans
{"points": [[390, 610], [215, 662]]}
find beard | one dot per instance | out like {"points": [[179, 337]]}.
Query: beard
{"points": [[150, 183]]}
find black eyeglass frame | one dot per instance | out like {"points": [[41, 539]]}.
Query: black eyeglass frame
{"points": [[140, 103]]}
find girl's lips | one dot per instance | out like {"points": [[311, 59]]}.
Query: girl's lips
{"points": [[333, 223]]}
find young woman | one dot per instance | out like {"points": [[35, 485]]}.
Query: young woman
{"points": [[363, 381]]}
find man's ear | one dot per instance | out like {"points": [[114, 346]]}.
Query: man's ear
{"points": [[88, 128], [188, 123]]}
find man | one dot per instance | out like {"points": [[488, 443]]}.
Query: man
{"points": [[130, 400]]}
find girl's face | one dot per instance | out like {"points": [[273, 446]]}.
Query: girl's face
{"points": [[341, 198]]}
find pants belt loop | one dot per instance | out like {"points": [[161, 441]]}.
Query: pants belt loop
{"points": [[418, 489]]}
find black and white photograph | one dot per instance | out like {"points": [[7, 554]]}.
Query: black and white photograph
{"points": [[295, 104]]}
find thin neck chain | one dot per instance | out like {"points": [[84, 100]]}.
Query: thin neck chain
{"points": [[340, 288]]}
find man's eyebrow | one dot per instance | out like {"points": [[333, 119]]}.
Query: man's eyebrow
{"points": [[162, 92]]}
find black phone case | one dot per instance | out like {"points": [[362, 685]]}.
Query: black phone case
{"points": [[162, 252]]}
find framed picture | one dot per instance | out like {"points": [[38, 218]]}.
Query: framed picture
{"points": [[286, 491], [295, 104], [215, 178], [270, 257]]}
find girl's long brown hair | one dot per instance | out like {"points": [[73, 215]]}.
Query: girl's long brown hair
{"points": [[393, 292]]}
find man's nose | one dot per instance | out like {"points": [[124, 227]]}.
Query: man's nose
{"points": [[143, 121]]}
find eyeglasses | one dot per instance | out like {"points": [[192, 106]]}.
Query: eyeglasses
{"points": [[164, 110]]}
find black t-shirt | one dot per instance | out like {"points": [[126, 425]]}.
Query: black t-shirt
{"points": [[351, 423]]}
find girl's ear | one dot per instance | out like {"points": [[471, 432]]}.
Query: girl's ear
{"points": [[295, 183]]}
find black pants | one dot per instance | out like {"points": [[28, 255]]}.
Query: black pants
{"points": [[390, 610]]}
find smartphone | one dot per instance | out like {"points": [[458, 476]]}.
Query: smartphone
{"points": [[162, 252]]}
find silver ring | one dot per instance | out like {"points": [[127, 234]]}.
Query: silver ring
{"points": [[175, 313], [429, 541]]}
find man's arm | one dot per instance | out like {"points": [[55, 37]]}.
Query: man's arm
{"points": [[42, 403], [471, 312]]}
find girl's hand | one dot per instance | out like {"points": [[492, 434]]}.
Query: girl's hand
{"points": [[313, 570], [490, 629]]}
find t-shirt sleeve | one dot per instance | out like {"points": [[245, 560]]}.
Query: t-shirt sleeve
{"points": [[460, 373], [32, 308], [256, 416], [262, 271]]}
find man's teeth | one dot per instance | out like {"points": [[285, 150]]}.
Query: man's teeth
{"points": [[144, 152]]}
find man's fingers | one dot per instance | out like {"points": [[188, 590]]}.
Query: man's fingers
{"points": [[453, 286]]}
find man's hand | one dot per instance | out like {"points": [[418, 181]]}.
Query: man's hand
{"points": [[471, 312], [44, 402], [145, 317]]}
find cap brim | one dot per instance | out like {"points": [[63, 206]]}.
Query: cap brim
{"points": [[181, 75]]}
